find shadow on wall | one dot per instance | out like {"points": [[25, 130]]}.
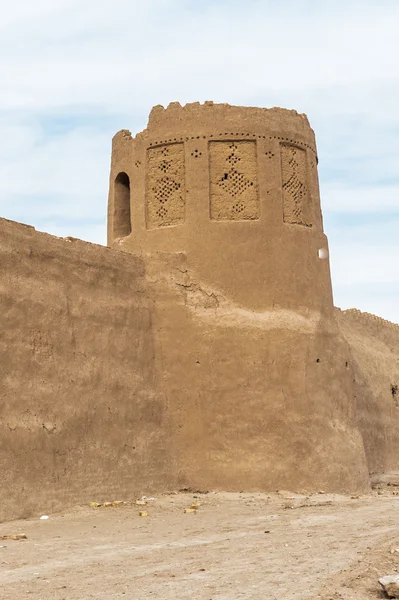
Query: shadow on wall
{"points": [[374, 345], [122, 220]]}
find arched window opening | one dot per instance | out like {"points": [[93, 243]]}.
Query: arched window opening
{"points": [[122, 221]]}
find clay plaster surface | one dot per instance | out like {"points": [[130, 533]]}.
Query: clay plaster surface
{"points": [[203, 349], [81, 413]]}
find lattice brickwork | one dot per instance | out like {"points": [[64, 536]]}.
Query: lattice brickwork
{"points": [[233, 185], [165, 185], [295, 185]]}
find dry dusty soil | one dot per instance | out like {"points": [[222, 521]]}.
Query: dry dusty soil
{"points": [[256, 546]]}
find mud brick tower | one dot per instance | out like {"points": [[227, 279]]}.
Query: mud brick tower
{"points": [[234, 188], [223, 204]]}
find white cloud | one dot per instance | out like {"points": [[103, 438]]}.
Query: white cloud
{"points": [[364, 259], [108, 62], [360, 264], [128, 54], [378, 198], [43, 178]]}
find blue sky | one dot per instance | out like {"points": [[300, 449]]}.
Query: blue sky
{"points": [[73, 73]]}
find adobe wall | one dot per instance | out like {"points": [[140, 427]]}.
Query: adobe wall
{"points": [[208, 353], [82, 414], [121, 378], [374, 344]]}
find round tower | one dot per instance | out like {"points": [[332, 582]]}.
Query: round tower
{"points": [[234, 188], [222, 203]]}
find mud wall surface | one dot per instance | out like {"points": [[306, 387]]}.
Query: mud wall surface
{"points": [[260, 400], [121, 376], [81, 414], [374, 345]]}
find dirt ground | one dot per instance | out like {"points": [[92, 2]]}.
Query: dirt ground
{"points": [[252, 546]]}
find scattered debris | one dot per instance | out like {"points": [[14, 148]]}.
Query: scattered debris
{"points": [[107, 504], [288, 505], [194, 507], [142, 502], [44, 517], [143, 513], [19, 536], [193, 491], [390, 585]]}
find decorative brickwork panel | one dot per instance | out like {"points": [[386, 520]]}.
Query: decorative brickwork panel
{"points": [[233, 185], [295, 185], [165, 186]]}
